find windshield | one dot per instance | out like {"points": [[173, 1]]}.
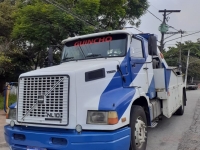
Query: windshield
{"points": [[95, 47]]}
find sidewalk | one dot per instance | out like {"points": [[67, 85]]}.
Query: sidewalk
{"points": [[2, 123]]}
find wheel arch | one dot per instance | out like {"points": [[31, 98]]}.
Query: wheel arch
{"points": [[143, 102]]}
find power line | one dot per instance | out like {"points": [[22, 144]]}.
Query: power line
{"points": [[183, 36], [174, 28], [64, 9], [160, 19], [135, 29], [154, 15], [163, 25], [154, 7], [192, 31], [170, 36]]}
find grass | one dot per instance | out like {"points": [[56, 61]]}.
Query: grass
{"points": [[12, 99]]}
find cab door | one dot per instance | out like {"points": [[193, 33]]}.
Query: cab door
{"points": [[139, 70]]}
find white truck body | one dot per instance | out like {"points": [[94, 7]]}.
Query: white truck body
{"points": [[60, 97]]}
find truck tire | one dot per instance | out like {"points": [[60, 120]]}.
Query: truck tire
{"points": [[138, 124], [180, 111]]}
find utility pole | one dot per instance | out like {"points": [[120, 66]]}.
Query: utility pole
{"points": [[164, 27], [180, 63], [186, 72], [162, 33]]}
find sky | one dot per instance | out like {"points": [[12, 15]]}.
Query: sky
{"points": [[187, 20]]}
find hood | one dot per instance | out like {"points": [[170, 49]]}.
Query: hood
{"points": [[72, 67], [83, 94]]}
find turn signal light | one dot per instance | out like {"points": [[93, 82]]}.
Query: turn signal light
{"points": [[112, 117]]}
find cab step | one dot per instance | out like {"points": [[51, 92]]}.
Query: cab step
{"points": [[153, 124]]}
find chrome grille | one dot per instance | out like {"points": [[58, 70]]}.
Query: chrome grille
{"points": [[43, 100]]}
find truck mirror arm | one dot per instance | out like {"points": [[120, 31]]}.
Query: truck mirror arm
{"points": [[120, 71]]}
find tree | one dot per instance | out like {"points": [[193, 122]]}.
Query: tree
{"points": [[42, 24], [29, 27], [172, 57], [6, 21], [13, 62], [114, 15], [6, 24]]}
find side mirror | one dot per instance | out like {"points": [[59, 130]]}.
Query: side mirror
{"points": [[152, 46], [50, 56]]}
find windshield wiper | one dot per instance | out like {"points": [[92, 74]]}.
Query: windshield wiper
{"points": [[68, 58], [94, 55]]}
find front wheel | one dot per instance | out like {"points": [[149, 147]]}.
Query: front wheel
{"points": [[138, 124]]}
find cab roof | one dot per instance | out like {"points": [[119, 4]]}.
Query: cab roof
{"points": [[97, 34]]}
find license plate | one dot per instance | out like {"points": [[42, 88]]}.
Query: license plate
{"points": [[35, 148]]}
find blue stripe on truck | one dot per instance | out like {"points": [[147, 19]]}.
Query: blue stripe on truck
{"points": [[118, 98], [88, 140], [152, 91]]}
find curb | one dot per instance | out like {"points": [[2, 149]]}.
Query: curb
{"points": [[4, 144]]}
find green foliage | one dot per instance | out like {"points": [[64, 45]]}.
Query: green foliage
{"points": [[172, 57], [42, 24], [29, 27], [12, 99], [6, 21]]}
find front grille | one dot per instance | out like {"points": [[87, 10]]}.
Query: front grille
{"points": [[43, 100]]}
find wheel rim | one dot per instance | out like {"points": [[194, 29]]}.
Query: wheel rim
{"points": [[140, 132]]}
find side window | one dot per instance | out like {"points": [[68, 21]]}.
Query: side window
{"points": [[136, 48]]}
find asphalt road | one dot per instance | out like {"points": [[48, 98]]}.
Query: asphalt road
{"points": [[178, 132]]}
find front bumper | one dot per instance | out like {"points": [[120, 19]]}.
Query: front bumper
{"points": [[87, 140]]}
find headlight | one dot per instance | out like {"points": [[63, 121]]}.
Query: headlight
{"points": [[12, 114], [102, 117]]}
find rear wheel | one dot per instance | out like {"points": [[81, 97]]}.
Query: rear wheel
{"points": [[138, 124]]}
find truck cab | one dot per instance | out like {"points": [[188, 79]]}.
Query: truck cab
{"points": [[108, 88]]}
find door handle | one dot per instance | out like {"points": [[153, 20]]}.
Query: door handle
{"points": [[146, 68]]}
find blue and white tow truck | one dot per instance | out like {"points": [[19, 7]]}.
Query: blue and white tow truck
{"points": [[108, 89]]}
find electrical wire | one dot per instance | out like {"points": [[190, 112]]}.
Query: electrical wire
{"points": [[154, 7], [64, 9], [135, 29], [159, 18], [183, 36], [174, 28], [169, 36], [154, 15]]}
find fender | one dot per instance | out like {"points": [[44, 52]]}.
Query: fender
{"points": [[121, 100], [139, 93], [14, 105], [117, 100]]}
